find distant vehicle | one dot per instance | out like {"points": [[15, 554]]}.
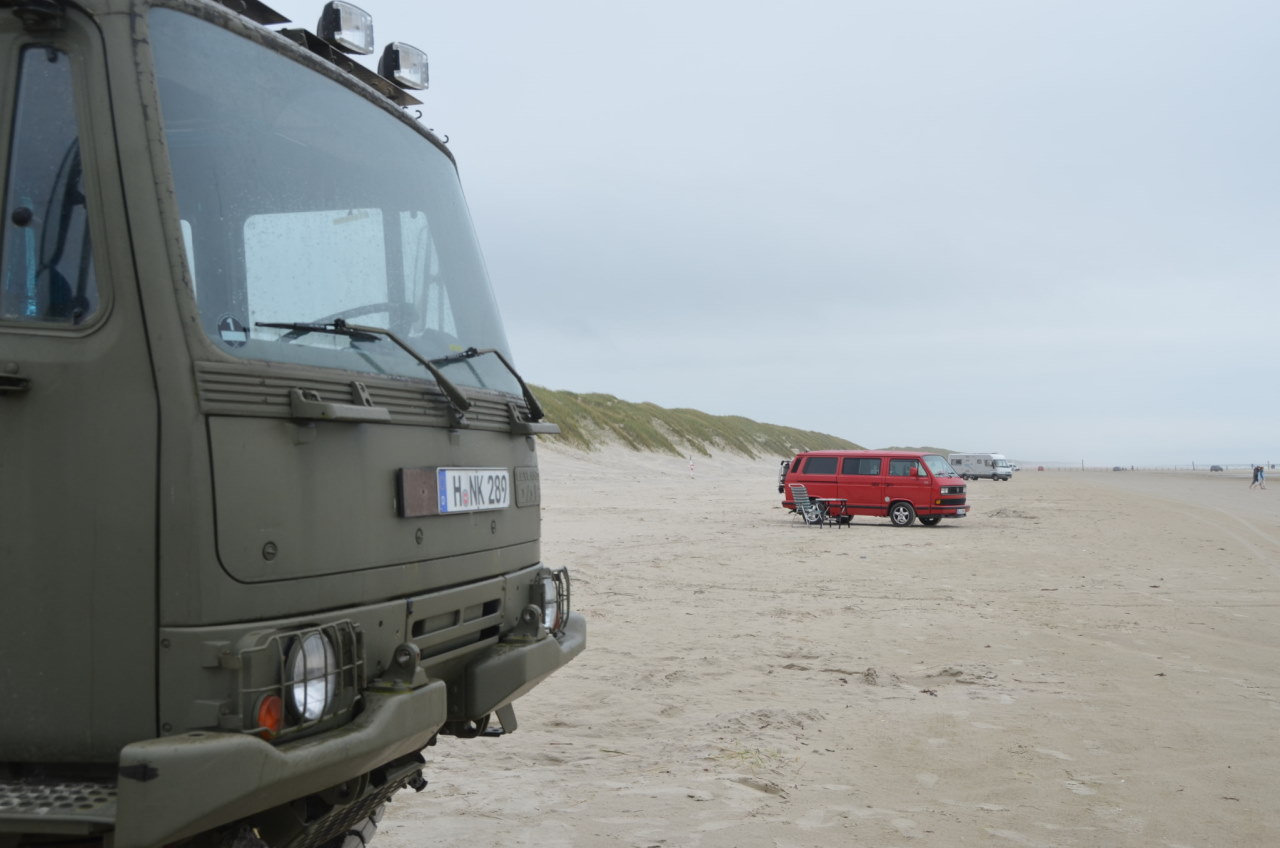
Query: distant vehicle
{"points": [[1216, 468], [1117, 468], [972, 466], [899, 485], [782, 473]]}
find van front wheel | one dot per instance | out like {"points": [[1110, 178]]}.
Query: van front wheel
{"points": [[902, 514]]}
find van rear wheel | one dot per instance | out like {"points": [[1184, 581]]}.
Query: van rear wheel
{"points": [[902, 514], [930, 520]]}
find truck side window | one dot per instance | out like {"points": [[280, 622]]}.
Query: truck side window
{"points": [[46, 265], [902, 467]]}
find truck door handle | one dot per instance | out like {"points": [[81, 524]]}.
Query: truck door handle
{"points": [[11, 384]]}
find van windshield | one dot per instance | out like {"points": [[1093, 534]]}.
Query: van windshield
{"points": [[303, 202], [938, 466]]}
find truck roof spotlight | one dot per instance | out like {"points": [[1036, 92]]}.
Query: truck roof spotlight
{"points": [[404, 65], [347, 27]]}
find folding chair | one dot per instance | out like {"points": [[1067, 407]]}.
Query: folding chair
{"points": [[810, 510]]}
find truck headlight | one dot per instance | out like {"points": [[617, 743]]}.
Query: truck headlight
{"points": [[555, 600], [311, 676]]}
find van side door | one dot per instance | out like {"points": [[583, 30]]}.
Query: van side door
{"points": [[861, 483]]}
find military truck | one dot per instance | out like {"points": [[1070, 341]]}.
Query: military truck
{"points": [[269, 492]]}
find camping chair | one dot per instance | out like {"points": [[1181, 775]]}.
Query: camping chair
{"points": [[810, 510]]}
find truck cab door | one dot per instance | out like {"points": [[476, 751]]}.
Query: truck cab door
{"points": [[77, 417]]}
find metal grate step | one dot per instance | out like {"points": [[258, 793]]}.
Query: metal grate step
{"points": [[78, 804]]}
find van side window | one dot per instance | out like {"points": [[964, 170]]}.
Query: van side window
{"points": [[47, 272], [861, 465], [820, 465], [902, 467]]}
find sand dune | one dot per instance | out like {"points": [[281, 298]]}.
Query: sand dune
{"points": [[1090, 659]]}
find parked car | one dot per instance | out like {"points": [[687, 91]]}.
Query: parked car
{"points": [[899, 485], [1216, 468]]}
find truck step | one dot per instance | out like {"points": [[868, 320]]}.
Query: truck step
{"points": [[74, 807]]}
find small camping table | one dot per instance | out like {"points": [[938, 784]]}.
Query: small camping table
{"points": [[832, 505]]}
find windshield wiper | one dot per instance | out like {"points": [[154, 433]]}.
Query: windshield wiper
{"points": [[338, 328], [535, 408], [356, 332]]}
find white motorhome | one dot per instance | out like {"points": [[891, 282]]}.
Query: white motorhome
{"points": [[971, 466]]}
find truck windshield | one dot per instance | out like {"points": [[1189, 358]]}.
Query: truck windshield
{"points": [[939, 466], [302, 201]]}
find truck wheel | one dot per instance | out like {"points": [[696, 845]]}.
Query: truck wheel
{"points": [[902, 514], [930, 520]]}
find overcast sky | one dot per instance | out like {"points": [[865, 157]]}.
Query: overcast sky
{"points": [[1047, 228]]}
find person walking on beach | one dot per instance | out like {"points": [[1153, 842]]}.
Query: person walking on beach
{"points": [[1259, 479]]}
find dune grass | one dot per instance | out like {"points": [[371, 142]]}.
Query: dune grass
{"points": [[588, 421], [923, 449]]}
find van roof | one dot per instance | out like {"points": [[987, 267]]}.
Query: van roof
{"points": [[904, 454]]}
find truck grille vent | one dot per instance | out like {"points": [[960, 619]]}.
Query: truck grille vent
{"points": [[232, 389], [461, 629]]}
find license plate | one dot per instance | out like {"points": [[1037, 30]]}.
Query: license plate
{"points": [[473, 489], [959, 512]]}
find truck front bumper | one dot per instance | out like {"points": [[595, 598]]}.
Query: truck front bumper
{"points": [[178, 786], [489, 679]]}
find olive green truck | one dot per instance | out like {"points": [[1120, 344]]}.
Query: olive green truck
{"points": [[269, 493]]}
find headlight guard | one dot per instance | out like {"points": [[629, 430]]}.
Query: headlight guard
{"points": [[301, 680], [555, 600]]}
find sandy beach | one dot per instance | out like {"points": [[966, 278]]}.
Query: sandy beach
{"points": [[1089, 659]]}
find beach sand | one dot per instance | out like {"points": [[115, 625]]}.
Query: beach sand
{"points": [[1089, 659]]}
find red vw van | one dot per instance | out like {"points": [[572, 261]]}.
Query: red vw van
{"points": [[900, 485]]}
